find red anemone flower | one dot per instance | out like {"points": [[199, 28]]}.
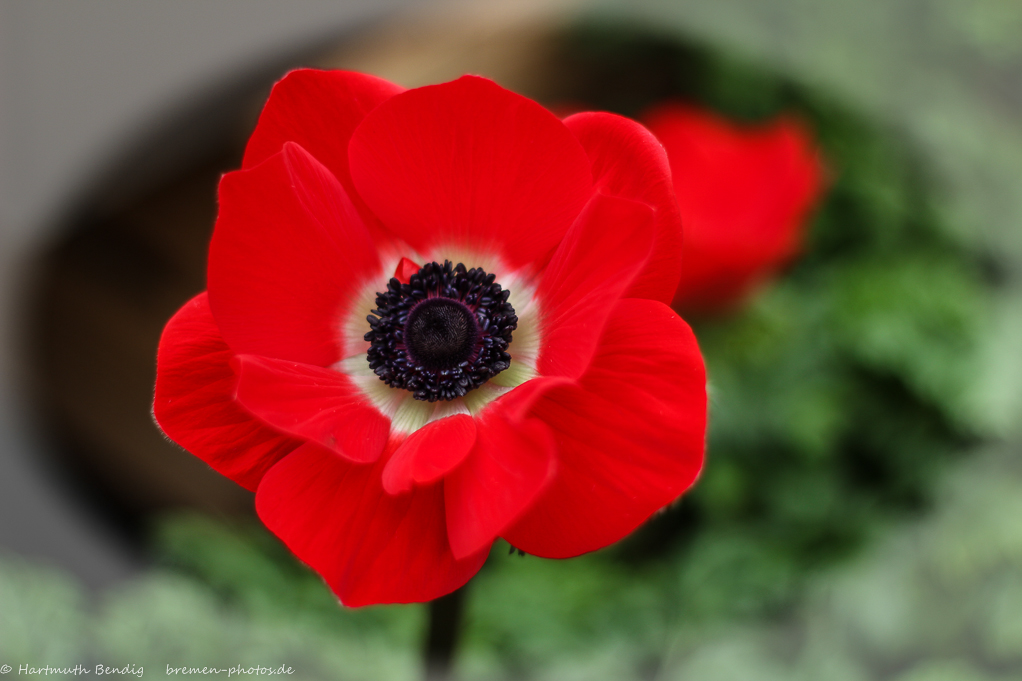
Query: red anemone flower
{"points": [[436, 317], [745, 194]]}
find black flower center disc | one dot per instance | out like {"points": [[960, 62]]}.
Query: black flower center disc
{"points": [[443, 333]]}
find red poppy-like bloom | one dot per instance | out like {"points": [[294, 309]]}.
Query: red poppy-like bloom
{"points": [[745, 194], [436, 317]]}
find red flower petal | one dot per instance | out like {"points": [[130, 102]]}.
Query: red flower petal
{"points": [[629, 437], [370, 547], [286, 258], [405, 269], [319, 110], [511, 463], [312, 403], [194, 402], [744, 195], [629, 162], [429, 453], [470, 164], [595, 264]]}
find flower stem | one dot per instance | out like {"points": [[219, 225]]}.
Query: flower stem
{"points": [[445, 616]]}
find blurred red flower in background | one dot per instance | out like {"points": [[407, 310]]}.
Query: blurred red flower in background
{"points": [[745, 194], [435, 317]]}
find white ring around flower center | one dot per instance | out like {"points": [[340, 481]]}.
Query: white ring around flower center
{"points": [[406, 413]]}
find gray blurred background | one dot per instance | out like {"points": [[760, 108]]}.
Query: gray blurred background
{"points": [[79, 84]]}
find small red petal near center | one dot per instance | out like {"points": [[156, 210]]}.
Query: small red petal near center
{"points": [[405, 269]]}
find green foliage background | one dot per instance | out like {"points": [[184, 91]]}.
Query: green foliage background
{"points": [[936, 600], [841, 390]]}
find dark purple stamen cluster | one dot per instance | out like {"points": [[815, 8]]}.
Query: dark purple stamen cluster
{"points": [[443, 333]]}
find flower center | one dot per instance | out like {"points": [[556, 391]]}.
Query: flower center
{"points": [[442, 334]]}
